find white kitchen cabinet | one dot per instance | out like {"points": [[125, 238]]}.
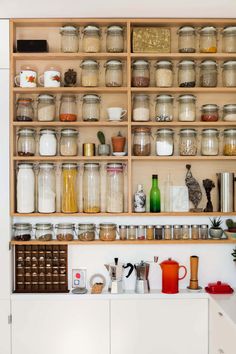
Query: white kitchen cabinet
{"points": [[5, 328], [60, 326], [4, 47], [159, 326]]}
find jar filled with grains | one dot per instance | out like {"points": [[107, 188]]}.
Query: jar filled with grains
{"points": [[114, 73], [164, 73], [164, 108], [91, 39], [69, 142], [44, 232], [167, 232], [204, 231], [229, 39], [140, 73], [22, 232], [123, 232], [132, 232], [141, 110], [107, 231], [188, 142], [186, 73], [208, 39], [46, 108], [210, 113], [229, 112], [65, 232], [208, 73], [229, 142], [229, 73], [115, 39], [142, 141], [150, 232], [69, 39], [89, 73], [195, 232], [187, 39], [86, 232], [91, 108], [187, 108], [177, 232], [210, 142], [185, 232], [164, 142], [158, 232]]}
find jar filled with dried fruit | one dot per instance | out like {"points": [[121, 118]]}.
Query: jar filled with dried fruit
{"points": [[114, 73], [140, 73], [24, 110], [107, 231], [208, 39], [68, 108], [86, 232], [44, 232], [229, 73], [89, 73], [229, 142], [229, 39], [186, 73], [208, 73], [69, 142], [187, 39], [188, 142], [142, 141], [26, 142], [115, 39], [65, 232], [210, 113], [91, 39], [22, 232]]}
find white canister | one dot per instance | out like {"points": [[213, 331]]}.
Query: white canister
{"points": [[26, 78], [46, 188], [50, 78], [47, 142], [25, 199]]}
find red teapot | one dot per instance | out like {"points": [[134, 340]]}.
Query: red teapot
{"points": [[170, 276]]}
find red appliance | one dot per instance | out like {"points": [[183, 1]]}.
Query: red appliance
{"points": [[219, 288], [170, 276]]}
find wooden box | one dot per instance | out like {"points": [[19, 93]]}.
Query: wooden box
{"points": [[151, 39]]}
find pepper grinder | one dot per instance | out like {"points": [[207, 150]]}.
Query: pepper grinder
{"points": [[193, 286]]}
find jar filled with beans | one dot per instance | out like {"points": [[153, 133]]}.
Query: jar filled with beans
{"points": [[188, 142], [140, 73]]}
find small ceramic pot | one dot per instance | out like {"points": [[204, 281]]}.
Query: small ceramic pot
{"points": [[104, 150], [118, 143], [215, 233]]}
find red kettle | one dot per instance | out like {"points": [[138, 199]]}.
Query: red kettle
{"points": [[170, 276]]}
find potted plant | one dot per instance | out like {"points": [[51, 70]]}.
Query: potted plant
{"points": [[215, 230], [118, 142], [231, 225], [103, 148]]}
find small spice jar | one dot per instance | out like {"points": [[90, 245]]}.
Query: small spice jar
{"points": [[86, 232], [158, 232], [204, 231], [187, 108], [141, 110], [186, 73], [68, 108], [167, 232], [187, 39], [195, 232], [140, 73], [91, 39], [229, 39], [164, 142], [177, 232], [26, 142], [22, 232], [164, 73], [185, 232], [208, 40], [229, 142], [44, 232], [142, 141], [89, 73], [123, 232], [24, 110], [141, 232], [229, 73], [65, 232], [69, 39], [150, 232], [91, 108], [208, 73], [47, 142], [229, 112], [210, 113], [188, 142], [132, 232], [69, 142], [164, 108], [210, 142], [115, 39], [114, 73], [46, 109], [107, 231]]}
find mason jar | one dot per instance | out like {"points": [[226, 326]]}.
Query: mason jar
{"points": [[229, 73], [26, 145], [123, 232], [132, 230], [24, 110], [194, 232], [164, 142], [89, 73], [86, 232], [210, 142], [91, 39], [141, 234], [115, 188], [44, 232], [186, 73], [208, 39], [65, 231], [208, 73], [69, 39], [187, 108], [142, 141], [204, 231], [107, 231], [187, 39], [229, 142], [69, 188], [140, 73], [177, 232], [164, 73], [69, 142], [141, 110], [91, 108], [22, 231], [91, 188], [229, 112], [68, 108], [229, 39], [114, 73], [46, 188], [188, 142], [164, 108], [46, 109], [209, 113], [185, 232], [47, 142], [115, 39], [167, 232]]}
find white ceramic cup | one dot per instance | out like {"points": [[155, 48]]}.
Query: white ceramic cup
{"points": [[26, 78], [50, 78], [116, 113]]}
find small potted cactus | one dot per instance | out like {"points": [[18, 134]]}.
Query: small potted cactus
{"points": [[103, 148], [118, 143], [231, 225], [215, 231]]}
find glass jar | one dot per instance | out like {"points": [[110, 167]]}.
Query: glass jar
{"points": [[187, 108], [167, 232], [68, 108], [164, 108], [89, 73], [141, 110], [114, 73], [44, 232], [188, 142], [229, 39], [69, 142], [208, 73], [195, 232], [229, 142], [177, 232], [65, 232], [123, 232], [229, 112], [46, 109], [186, 73], [229, 73], [91, 108], [158, 232], [115, 39], [26, 142], [164, 73], [164, 142], [187, 39], [208, 39], [25, 187], [69, 39], [22, 232], [185, 232], [91, 188], [132, 232], [210, 142], [142, 141], [140, 73], [107, 231], [24, 110], [204, 231], [115, 188], [210, 113], [150, 232], [46, 188], [141, 232], [91, 39], [47, 142], [69, 201], [86, 232]]}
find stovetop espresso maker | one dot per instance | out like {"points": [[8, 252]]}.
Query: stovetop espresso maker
{"points": [[116, 275], [142, 282]]}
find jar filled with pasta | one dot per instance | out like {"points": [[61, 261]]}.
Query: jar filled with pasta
{"points": [[89, 73], [115, 39], [114, 73], [91, 39], [69, 201], [208, 39]]}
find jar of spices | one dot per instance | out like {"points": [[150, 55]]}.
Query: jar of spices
{"points": [[47, 142], [65, 232], [115, 39], [114, 73], [208, 39], [123, 232], [195, 232], [229, 142], [68, 108], [46, 188], [208, 73], [141, 232], [150, 232], [164, 108], [91, 39], [167, 232], [210, 142], [187, 39], [24, 110], [142, 141], [69, 142], [91, 108], [107, 231], [132, 232], [91, 188], [229, 39], [141, 110], [158, 232], [44, 232], [164, 73], [22, 232], [115, 188], [210, 113], [46, 108], [229, 73], [204, 231], [185, 232], [188, 142], [177, 232], [25, 187], [86, 232], [186, 73], [26, 142], [89, 73], [229, 112], [69, 201], [140, 73], [187, 108], [69, 39], [164, 142]]}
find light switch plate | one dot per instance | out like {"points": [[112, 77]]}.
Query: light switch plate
{"points": [[79, 278]]}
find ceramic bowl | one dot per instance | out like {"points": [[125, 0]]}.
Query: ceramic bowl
{"points": [[230, 234]]}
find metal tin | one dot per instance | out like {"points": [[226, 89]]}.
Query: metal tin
{"points": [[89, 149], [226, 191]]}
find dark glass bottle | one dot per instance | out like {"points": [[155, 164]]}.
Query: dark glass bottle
{"points": [[155, 196]]}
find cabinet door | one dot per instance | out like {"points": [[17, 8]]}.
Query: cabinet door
{"points": [[5, 328], [60, 326], [159, 326]]}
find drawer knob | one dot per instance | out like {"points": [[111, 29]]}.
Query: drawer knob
{"points": [[221, 351], [220, 314]]}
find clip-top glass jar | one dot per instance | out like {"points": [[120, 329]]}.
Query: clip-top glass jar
{"points": [[210, 113], [164, 142], [114, 73], [186, 73], [187, 108], [46, 109], [210, 142], [187, 39], [229, 39], [107, 231], [46, 188], [164, 73], [91, 188], [229, 142], [65, 232], [115, 188], [22, 232], [140, 73], [142, 141], [68, 108], [24, 110], [91, 108], [69, 200], [69, 142], [208, 40], [89, 73], [229, 112], [44, 232], [141, 110], [164, 108], [91, 39], [188, 142], [69, 39], [115, 39], [26, 142], [48, 142], [229, 73], [208, 73], [86, 232]]}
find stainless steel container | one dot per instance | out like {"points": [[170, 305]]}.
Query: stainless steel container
{"points": [[226, 191]]}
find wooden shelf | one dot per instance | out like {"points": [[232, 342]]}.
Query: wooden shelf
{"points": [[70, 158], [71, 124], [196, 56], [184, 89], [68, 56], [21, 90], [182, 158], [185, 124]]}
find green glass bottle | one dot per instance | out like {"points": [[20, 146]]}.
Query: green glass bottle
{"points": [[155, 196]]}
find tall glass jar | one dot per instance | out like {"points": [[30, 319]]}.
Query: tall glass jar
{"points": [[132, 230], [115, 39], [114, 73], [89, 73], [115, 188], [141, 110], [210, 113], [46, 188], [91, 39], [204, 231], [65, 232], [26, 142], [229, 73], [229, 112], [123, 232], [68, 108], [69, 39], [44, 232], [164, 73], [195, 232], [187, 108], [22, 231], [91, 188], [188, 142], [86, 232], [69, 197], [210, 142], [208, 73], [229, 39], [91, 108], [46, 109], [25, 187], [24, 110], [164, 142], [229, 142], [47, 142], [185, 232], [177, 232], [69, 142], [167, 232], [187, 39], [142, 141], [186, 73], [164, 108], [208, 39], [140, 73]]}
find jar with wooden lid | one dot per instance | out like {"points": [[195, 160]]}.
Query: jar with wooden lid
{"points": [[65, 231], [46, 108], [188, 142], [68, 108], [91, 108], [22, 231], [186, 73], [229, 142], [69, 142], [229, 39], [123, 232], [69, 39], [208, 73], [26, 144], [164, 73], [86, 232], [115, 188], [209, 113], [210, 142], [164, 108], [44, 232], [187, 39], [164, 142], [115, 39], [107, 231], [132, 232], [69, 200], [91, 188], [208, 39], [142, 141], [187, 108], [229, 112], [91, 39], [140, 73], [229, 73], [141, 110], [24, 110], [114, 73], [89, 73]]}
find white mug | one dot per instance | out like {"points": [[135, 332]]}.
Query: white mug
{"points": [[50, 78], [26, 78], [116, 113]]}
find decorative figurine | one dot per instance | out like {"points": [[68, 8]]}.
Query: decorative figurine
{"points": [[70, 78], [208, 184], [194, 189]]}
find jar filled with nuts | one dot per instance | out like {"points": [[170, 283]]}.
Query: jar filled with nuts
{"points": [[188, 142], [86, 232], [44, 232], [65, 232]]}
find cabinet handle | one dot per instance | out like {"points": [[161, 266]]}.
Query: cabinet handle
{"points": [[221, 351], [220, 314]]}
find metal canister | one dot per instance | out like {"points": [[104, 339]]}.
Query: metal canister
{"points": [[88, 149], [226, 191]]}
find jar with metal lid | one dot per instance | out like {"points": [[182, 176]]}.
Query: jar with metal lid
{"points": [[164, 73], [86, 232], [140, 73], [229, 39], [141, 232], [25, 187], [187, 108], [26, 145], [46, 109], [208, 73], [187, 39], [210, 142], [167, 232], [141, 109], [107, 231], [132, 232], [209, 113], [114, 73], [186, 73], [185, 232], [195, 232], [150, 232], [69, 142], [229, 142], [177, 232], [24, 110], [188, 142], [91, 188], [91, 39], [91, 108], [44, 232], [89, 73], [164, 108], [229, 73], [115, 188], [208, 39], [65, 232], [204, 231], [47, 142], [158, 232], [22, 232], [229, 112], [115, 39], [46, 188], [69, 39], [69, 199], [68, 108], [164, 142], [123, 232], [142, 141]]}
